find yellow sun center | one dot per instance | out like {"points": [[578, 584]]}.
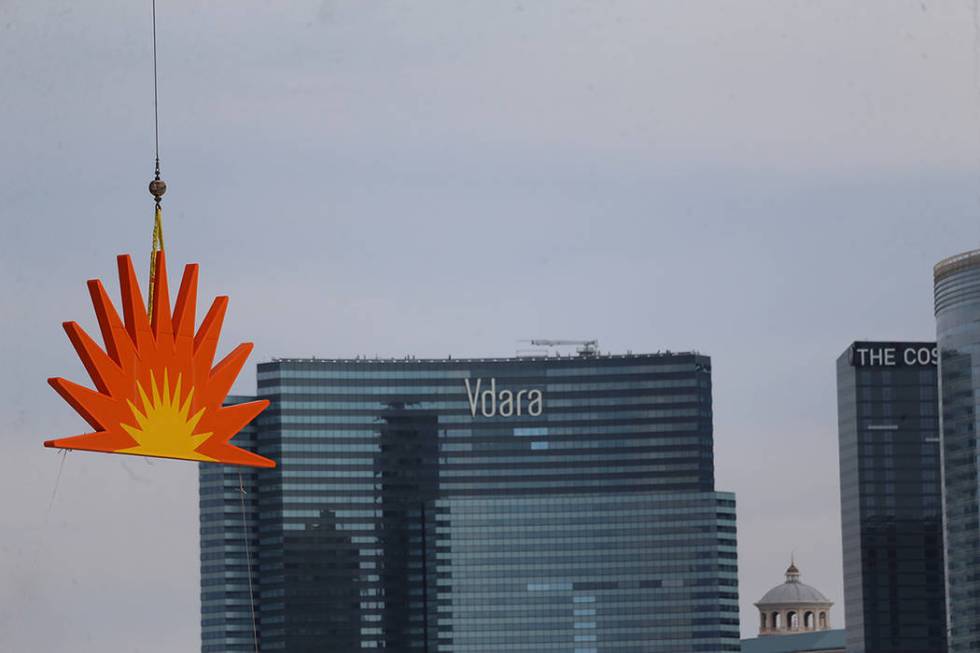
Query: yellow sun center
{"points": [[165, 426]]}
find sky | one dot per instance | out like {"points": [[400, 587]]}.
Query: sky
{"points": [[763, 181]]}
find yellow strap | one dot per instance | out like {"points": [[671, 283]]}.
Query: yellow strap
{"points": [[157, 247]]}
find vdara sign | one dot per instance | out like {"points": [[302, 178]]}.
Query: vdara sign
{"points": [[505, 403], [894, 355]]}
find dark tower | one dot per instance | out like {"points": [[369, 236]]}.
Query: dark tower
{"points": [[888, 420]]}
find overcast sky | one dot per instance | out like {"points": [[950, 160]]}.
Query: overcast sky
{"points": [[761, 181]]}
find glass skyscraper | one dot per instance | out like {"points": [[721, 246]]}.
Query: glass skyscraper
{"points": [[957, 287], [891, 498], [226, 605], [475, 506]]}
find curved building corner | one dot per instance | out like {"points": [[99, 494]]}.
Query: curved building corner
{"points": [[957, 306]]}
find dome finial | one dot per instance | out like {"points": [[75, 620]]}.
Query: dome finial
{"points": [[792, 573]]}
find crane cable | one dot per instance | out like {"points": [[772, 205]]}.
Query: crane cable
{"points": [[157, 187], [248, 560]]}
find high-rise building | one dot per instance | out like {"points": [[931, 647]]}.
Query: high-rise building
{"points": [[476, 505], [891, 513], [228, 535], [957, 288]]}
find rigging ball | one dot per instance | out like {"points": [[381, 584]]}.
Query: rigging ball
{"points": [[157, 188]]}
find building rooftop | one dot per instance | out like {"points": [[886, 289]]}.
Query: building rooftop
{"points": [[793, 591], [502, 359], [954, 264], [824, 641]]}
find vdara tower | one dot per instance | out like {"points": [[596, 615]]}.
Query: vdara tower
{"points": [[475, 506]]}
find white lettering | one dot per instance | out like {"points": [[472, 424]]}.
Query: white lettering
{"points": [[507, 403], [925, 356], [472, 394], [492, 395], [911, 356], [904, 355], [535, 406]]}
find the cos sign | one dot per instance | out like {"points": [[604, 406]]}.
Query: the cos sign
{"points": [[894, 355]]}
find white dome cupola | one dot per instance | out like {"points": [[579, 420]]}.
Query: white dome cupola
{"points": [[793, 607]]}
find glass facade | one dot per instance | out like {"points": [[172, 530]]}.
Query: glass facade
{"points": [[957, 286], [891, 509], [226, 608], [483, 505]]}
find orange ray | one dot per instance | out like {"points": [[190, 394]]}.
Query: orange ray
{"points": [[157, 391]]}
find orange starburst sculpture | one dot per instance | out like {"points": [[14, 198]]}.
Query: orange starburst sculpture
{"points": [[156, 393]]}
